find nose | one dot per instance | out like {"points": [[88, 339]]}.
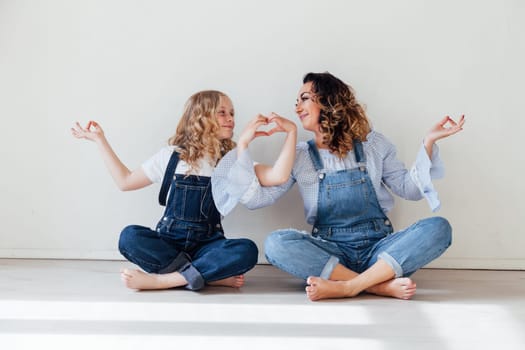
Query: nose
{"points": [[298, 108]]}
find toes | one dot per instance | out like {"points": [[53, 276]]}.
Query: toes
{"points": [[125, 275], [126, 272], [311, 280], [312, 297]]}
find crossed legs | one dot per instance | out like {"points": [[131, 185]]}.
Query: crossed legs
{"points": [[378, 279], [220, 262], [394, 256], [140, 280]]}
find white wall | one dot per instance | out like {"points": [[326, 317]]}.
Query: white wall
{"points": [[132, 64]]}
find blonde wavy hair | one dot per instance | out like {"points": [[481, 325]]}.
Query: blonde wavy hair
{"points": [[197, 133], [342, 119]]}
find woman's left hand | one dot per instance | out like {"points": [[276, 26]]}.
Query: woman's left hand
{"points": [[445, 128], [252, 129], [281, 124]]}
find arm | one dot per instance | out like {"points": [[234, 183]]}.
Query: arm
{"points": [[125, 179], [280, 171], [428, 166], [234, 181]]}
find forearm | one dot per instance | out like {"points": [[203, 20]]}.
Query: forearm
{"points": [[119, 172], [124, 178], [241, 147], [428, 143], [282, 168], [280, 172]]}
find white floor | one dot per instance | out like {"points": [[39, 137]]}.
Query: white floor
{"points": [[63, 304]]}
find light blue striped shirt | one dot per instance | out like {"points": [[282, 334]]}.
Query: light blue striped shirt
{"points": [[234, 180]]}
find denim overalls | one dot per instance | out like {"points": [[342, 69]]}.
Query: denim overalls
{"points": [[351, 229], [189, 237]]}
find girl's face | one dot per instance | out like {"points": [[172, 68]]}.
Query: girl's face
{"points": [[307, 109], [225, 115]]}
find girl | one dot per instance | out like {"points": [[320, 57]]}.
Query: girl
{"points": [[187, 247], [346, 174]]}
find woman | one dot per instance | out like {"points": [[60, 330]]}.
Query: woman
{"points": [[346, 174]]}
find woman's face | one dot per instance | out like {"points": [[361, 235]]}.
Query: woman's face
{"points": [[307, 109], [225, 117]]}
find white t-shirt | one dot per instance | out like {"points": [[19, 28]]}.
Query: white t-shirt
{"points": [[155, 167]]}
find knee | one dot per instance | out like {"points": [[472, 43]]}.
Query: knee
{"points": [[251, 252], [243, 251], [276, 243], [442, 230], [127, 238]]}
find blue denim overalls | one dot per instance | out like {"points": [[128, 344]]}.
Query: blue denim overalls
{"points": [[351, 229], [189, 237]]}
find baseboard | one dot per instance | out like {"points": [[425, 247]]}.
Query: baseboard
{"points": [[60, 254], [441, 263], [478, 264]]}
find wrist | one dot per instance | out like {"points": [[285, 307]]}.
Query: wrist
{"points": [[428, 142], [241, 146], [100, 140]]}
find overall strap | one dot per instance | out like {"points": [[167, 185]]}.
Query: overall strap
{"points": [[359, 152], [314, 154], [360, 156], [168, 177]]}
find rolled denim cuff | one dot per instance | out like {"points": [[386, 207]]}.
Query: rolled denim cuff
{"points": [[329, 267], [193, 276], [398, 270], [181, 260]]}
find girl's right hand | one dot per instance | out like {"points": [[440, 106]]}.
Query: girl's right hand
{"points": [[92, 131]]}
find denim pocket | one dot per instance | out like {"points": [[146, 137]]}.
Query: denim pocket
{"points": [[191, 202], [349, 199]]}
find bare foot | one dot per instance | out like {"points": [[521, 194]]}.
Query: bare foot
{"points": [[401, 288], [234, 282], [136, 279], [319, 288]]}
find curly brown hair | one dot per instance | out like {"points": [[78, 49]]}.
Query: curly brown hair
{"points": [[198, 129], [342, 119]]}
